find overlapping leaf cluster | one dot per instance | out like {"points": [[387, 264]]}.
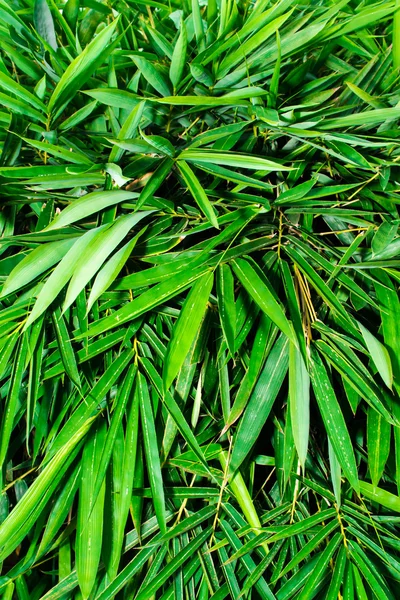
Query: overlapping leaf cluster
{"points": [[199, 312]]}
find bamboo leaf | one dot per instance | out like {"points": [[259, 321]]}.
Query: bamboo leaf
{"points": [[380, 496], [322, 564], [90, 203], [186, 327], [62, 274], [151, 452], [379, 355], [231, 159], [334, 420], [153, 76], [261, 401], [147, 300], [97, 250], [44, 23], [66, 351], [197, 192], [14, 528], [10, 408], [299, 399], [35, 263], [378, 440], [81, 69], [262, 295], [110, 270], [89, 530], [226, 304], [336, 473], [178, 59]]}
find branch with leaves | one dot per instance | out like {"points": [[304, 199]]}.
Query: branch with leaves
{"points": [[199, 308]]}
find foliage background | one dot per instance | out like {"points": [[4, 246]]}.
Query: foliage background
{"points": [[199, 310]]}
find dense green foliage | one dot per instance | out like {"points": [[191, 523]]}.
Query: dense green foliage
{"points": [[199, 312]]}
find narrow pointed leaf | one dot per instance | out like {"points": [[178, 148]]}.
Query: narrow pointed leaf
{"points": [[262, 295], [186, 327], [379, 355], [261, 402], [334, 420], [299, 399], [151, 452], [198, 192]]}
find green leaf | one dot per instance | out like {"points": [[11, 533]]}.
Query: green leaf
{"points": [[147, 300], [21, 107], [124, 394], [114, 97], [124, 465], [231, 159], [156, 179], [151, 452], [35, 263], [153, 75], [81, 69], [97, 250], [127, 130], [306, 550], [197, 192], [379, 355], [390, 313], [178, 59], [336, 473], [362, 383], [381, 496], [364, 119], [175, 413], [44, 23], [261, 293], [384, 235], [187, 326], [25, 513], [10, 407], [62, 273], [226, 304], [321, 566], [71, 12], [68, 155], [160, 144], [337, 576], [261, 401], [371, 576], [89, 407], [201, 74], [178, 560], [333, 420], [299, 401], [248, 563], [303, 525], [358, 584], [21, 92], [89, 529], [65, 347], [378, 442], [60, 509], [109, 272], [254, 41], [318, 283], [233, 176], [89, 204], [239, 99]]}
